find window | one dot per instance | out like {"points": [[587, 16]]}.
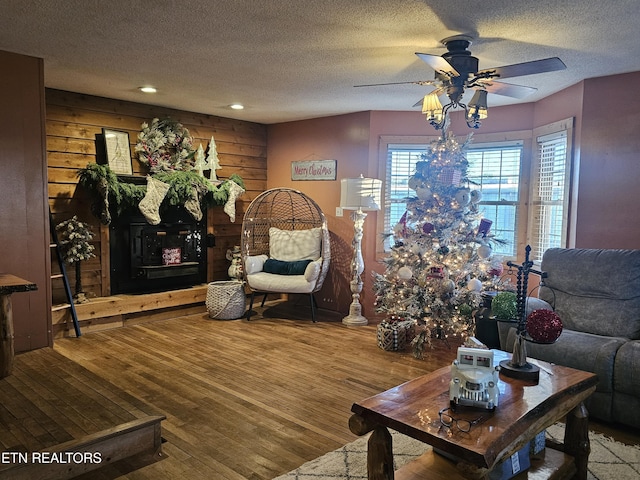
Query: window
{"points": [[550, 176], [524, 178], [495, 171], [401, 161]]}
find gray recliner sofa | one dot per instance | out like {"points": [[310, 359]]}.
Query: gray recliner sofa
{"points": [[596, 293]]}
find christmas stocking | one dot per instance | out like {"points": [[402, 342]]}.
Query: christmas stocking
{"points": [[230, 207], [150, 204], [193, 205]]}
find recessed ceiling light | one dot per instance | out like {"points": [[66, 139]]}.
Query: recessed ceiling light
{"points": [[236, 106], [148, 89]]}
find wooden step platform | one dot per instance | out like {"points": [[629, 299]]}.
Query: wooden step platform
{"points": [[103, 313], [52, 404]]}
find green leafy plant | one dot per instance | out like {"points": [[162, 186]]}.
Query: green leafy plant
{"points": [[504, 306]]}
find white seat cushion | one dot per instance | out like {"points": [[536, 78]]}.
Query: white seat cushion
{"points": [[272, 282]]}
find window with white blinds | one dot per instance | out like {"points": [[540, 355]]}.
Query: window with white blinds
{"points": [[400, 165], [549, 194], [524, 177], [495, 170]]}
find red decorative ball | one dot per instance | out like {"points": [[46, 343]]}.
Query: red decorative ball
{"points": [[544, 326], [496, 270]]}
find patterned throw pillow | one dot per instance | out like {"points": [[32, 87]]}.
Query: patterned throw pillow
{"points": [[292, 245]]}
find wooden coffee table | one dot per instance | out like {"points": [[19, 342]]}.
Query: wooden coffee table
{"points": [[524, 410], [9, 284]]}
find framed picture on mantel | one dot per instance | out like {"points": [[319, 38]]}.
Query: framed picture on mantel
{"points": [[118, 151]]}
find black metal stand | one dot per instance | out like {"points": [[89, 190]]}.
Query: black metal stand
{"points": [[518, 367]]}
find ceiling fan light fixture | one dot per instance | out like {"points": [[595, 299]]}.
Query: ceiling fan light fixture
{"points": [[478, 106], [432, 108]]}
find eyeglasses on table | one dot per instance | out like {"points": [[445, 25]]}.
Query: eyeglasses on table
{"points": [[461, 424]]}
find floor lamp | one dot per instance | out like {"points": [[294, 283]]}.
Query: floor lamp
{"points": [[360, 195]]}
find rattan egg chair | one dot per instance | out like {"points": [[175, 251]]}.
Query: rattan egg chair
{"points": [[283, 226]]}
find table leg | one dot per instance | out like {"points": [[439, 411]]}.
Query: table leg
{"points": [[576, 439], [380, 455], [6, 336]]}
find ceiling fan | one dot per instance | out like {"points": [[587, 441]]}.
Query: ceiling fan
{"points": [[457, 70]]}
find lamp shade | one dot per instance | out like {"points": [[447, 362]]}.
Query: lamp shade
{"points": [[478, 104], [432, 107], [360, 193]]}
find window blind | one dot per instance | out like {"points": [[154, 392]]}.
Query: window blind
{"points": [[549, 194], [401, 164], [495, 170]]}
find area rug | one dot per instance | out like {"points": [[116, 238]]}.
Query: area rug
{"points": [[609, 460]]}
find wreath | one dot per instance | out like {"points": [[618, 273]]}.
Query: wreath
{"points": [[165, 145]]}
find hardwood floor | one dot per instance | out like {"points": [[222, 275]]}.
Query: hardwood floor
{"points": [[245, 400], [242, 400]]}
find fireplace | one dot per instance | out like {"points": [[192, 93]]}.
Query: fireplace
{"points": [[154, 258]]}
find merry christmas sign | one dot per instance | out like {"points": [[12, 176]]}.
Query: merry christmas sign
{"points": [[313, 170]]}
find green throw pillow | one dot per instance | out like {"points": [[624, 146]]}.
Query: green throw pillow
{"points": [[281, 267]]}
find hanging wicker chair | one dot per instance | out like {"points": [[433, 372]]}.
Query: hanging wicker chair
{"points": [[284, 225]]}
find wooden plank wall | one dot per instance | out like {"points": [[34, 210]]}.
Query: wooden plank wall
{"points": [[24, 234], [72, 123]]}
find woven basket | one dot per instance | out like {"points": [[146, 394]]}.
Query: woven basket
{"points": [[226, 300]]}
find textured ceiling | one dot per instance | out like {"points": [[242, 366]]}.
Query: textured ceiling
{"points": [[294, 59]]}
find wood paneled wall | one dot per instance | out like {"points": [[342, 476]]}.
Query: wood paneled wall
{"points": [[72, 123], [24, 229]]}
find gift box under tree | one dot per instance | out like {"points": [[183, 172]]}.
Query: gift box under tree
{"points": [[394, 336]]}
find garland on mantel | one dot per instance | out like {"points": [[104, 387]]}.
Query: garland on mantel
{"points": [[113, 196]]}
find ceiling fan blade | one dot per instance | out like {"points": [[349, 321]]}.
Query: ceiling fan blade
{"points": [[418, 82], [439, 64], [527, 68], [508, 89]]}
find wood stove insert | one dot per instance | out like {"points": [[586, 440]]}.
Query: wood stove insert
{"points": [[154, 258]]}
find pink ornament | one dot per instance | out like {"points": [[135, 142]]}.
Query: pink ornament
{"points": [[496, 270], [544, 326]]}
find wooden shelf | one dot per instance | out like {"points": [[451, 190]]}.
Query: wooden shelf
{"points": [[62, 306]]}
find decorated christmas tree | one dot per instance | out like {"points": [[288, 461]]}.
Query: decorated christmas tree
{"points": [[441, 256]]}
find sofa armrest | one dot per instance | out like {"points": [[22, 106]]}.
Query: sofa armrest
{"points": [[583, 351]]}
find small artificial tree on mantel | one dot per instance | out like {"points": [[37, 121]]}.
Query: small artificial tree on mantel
{"points": [[73, 238]]}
